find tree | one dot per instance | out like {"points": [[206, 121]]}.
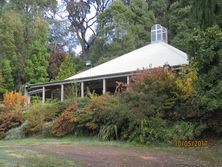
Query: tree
{"points": [[122, 28], [67, 69], [6, 73], [2, 88], [37, 62], [206, 12], [160, 9], [180, 29], [12, 44], [208, 58], [31, 7], [83, 18], [55, 61], [2, 3]]}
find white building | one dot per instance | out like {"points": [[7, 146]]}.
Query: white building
{"points": [[102, 78]]}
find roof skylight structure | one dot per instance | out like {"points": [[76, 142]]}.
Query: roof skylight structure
{"points": [[158, 33]]}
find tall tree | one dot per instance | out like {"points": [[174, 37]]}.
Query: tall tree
{"points": [[180, 27], [207, 56], [83, 16], [2, 4], [6, 73], [67, 69], [122, 28], [12, 43], [205, 12], [2, 88], [37, 63], [160, 9], [34, 7], [55, 61]]}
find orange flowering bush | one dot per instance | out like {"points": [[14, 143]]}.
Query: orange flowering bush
{"points": [[65, 123], [14, 101]]}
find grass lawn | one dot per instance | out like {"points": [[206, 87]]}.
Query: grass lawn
{"points": [[11, 155]]}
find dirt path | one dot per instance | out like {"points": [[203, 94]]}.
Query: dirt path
{"points": [[107, 156]]}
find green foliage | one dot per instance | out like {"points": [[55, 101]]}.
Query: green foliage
{"points": [[67, 69], [122, 28], [12, 44], [37, 62], [91, 114], [150, 130], [208, 56], [35, 7], [7, 75], [182, 131], [207, 12], [115, 121], [2, 89], [180, 25], [108, 132], [160, 9]]}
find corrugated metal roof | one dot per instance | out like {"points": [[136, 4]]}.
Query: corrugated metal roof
{"points": [[155, 55]]}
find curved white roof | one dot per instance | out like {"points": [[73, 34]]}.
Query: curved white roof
{"points": [[155, 55]]}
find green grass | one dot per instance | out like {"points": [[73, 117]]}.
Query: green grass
{"points": [[69, 140], [11, 155], [26, 158]]}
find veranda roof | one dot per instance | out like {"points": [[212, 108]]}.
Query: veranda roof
{"points": [[149, 56]]}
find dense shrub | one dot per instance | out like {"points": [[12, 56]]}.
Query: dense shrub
{"points": [[115, 121], [66, 122], [91, 114], [207, 56], [37, 115], [149, 130], [152, 93], [95, 116], [182, 130], [62, 105], [9, 120], [144, 113]]}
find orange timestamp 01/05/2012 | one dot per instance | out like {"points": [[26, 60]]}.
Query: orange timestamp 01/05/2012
{"points": [[191, 143]]}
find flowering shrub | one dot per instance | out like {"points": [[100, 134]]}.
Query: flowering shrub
{"points": [[185, 82], [14, 101], [65, 123]]}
